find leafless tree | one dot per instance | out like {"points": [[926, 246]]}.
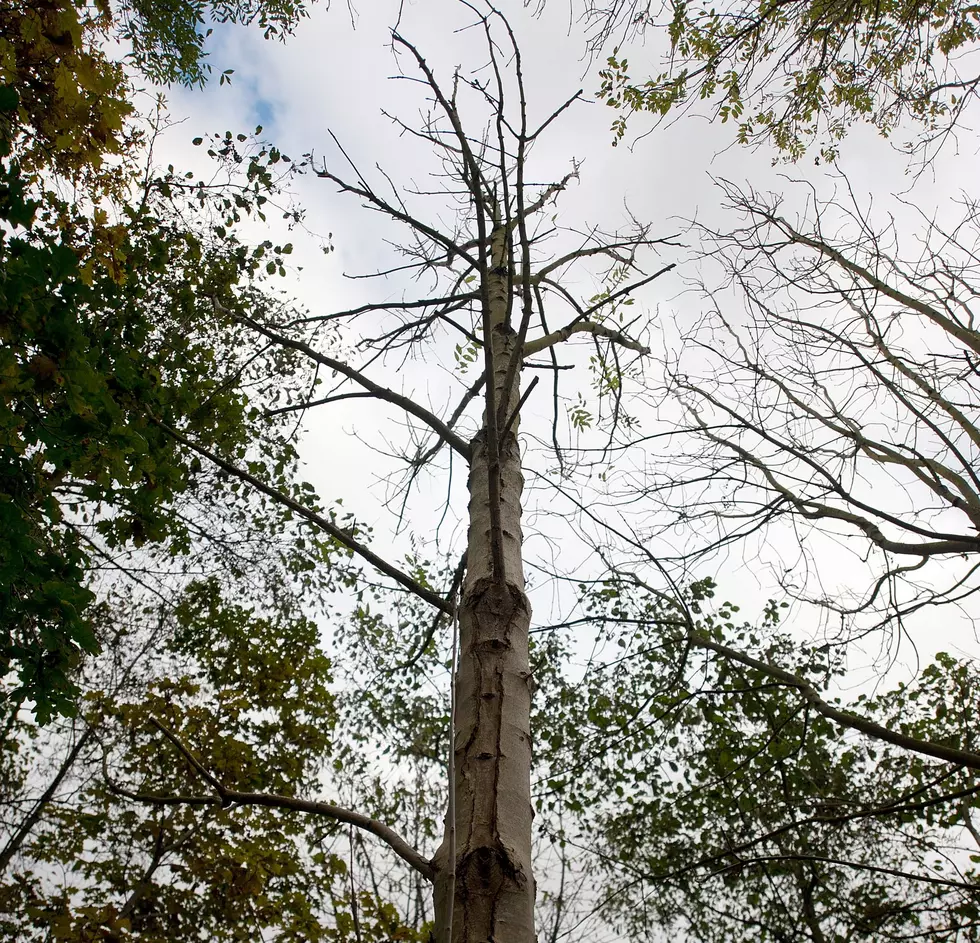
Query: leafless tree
{"points": [[498, 289], [830, 396]]}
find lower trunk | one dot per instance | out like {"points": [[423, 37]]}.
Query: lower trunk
{"points": [[490, 884]]}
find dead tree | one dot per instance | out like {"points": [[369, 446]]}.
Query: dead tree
{"points": [[495, 282]]}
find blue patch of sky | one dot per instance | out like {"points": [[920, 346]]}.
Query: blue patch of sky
{"points": [[224, 49], [264, 112]]}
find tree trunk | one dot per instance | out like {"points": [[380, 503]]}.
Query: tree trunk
{"points": [[490, 882]]}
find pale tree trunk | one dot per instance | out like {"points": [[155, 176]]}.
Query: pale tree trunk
{"points": [[490, 880]]}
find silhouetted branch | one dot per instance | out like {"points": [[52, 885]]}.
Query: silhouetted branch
{"points": [[845, 718], [230, 797], [339, 534]]}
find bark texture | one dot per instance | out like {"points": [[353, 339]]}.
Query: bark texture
{"points": [[490, 881]]}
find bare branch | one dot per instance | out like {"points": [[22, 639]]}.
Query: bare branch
{"points": [[381, 392], [970, 338], [230, 797], [385, 306], [339, 534], [859, 866], [448, 244], [582, 327]]}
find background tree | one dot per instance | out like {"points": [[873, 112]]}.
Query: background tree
{"points": [[719, 796], [108, 321], [168, 356], [94, 368], [836, 402], [252, 691], [819, 423], [67, 102]]}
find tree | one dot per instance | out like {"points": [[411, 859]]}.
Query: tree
{"points": [[68, 103], [145, 353], [166, 41], [90, 367], [798, 74], [493, 276], [188, 804], [841, 403], [718, 799], [96, 367], [252, 690], [827, 421]]}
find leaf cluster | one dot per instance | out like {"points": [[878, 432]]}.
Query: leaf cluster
{"points": [[804, 71]]}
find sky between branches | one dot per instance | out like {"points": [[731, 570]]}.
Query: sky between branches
{"points": [[333, 76]]}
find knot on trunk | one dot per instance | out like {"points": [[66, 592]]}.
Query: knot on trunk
{"points": [[484, 870], [478, 441], [492, 602], [509, 448]]}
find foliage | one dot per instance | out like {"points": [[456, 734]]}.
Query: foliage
{"points": [[801, 72], [109, 328], [251, 691], [720, 806], [168, 40], [99, 361], [71, 103], [66, 104]]}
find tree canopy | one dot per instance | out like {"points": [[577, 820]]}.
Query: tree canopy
{"points": [[109, 324], [233, 709], [796, 74]]}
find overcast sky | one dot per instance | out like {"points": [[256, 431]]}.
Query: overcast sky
{"points": [[334, 76]]}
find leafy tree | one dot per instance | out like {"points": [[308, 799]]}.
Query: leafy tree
{"points": [[71, 102], [797, 73], [168, 41], [108, 321], [252, 691], [717, 798], [96, 367]]}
